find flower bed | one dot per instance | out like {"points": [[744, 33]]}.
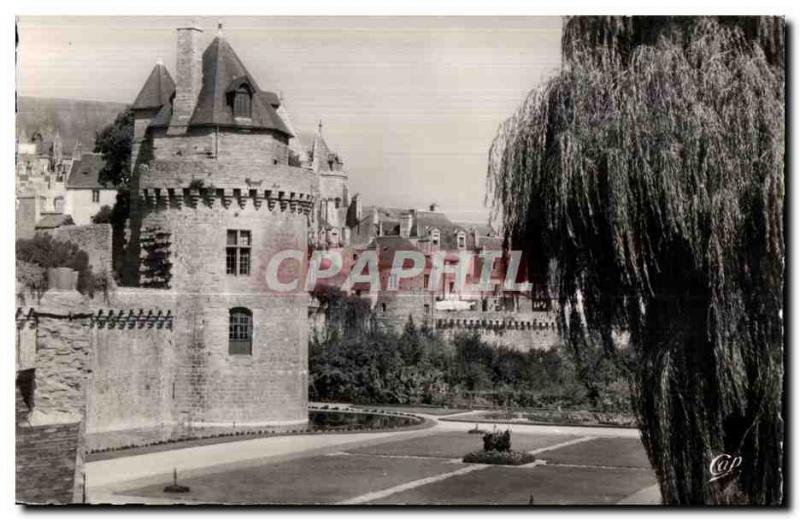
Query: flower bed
{"points": [[509, 458]]}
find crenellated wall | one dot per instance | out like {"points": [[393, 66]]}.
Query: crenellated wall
{"points": [[518, 330]]}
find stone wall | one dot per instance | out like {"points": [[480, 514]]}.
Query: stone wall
{"points": [[27, 215], [132, 360], [219, 158], [332, 186], [247, 185], [393, 308], [518, 330], [46, 463], [106, 363], [50, 414], [95, 239]]}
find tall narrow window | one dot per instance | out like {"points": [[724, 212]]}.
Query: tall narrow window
{"points": [[237, 253], [95, 195], [242, 102], [461, 240], [240, 331], [435, 237]]}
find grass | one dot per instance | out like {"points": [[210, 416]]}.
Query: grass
{"points": [[507, 485], [311, 480], [452, 445]]}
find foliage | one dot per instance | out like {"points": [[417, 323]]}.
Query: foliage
{"points": [[197, 184], [103, 216], [648, 177], [508, 458], [497, 441], [378, 367], [344, 314], [44, 251], [30, 279], [114, 143], [370, 365], [156, 266]]}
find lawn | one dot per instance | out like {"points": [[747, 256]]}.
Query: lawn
{"points": [[514, 486], [314, 480], [617, 452], [456, 444]]}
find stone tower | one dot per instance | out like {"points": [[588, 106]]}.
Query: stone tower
{"points": [[215, 200]]}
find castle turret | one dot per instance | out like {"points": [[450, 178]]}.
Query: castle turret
{"points": [[155, 96], [217, 201]]}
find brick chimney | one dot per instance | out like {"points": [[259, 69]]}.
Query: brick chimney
{"points": [[189, 76]]}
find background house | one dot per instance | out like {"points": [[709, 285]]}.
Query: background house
{"points": [[85, 194]]}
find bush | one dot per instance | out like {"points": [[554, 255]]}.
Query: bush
{"points": [[103, 216], [353, 360], [47, 253], [510, 458], [30, 279], [496, 441]]}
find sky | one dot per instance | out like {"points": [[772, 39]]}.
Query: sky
{"points": [[410, 104]]}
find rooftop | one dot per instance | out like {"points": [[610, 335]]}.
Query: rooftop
{"points": [[223, 72], [85, 173]]}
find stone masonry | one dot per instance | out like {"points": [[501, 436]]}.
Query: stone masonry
{"points": [[211, 159]]}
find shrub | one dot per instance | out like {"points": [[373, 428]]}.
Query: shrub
{"points": [[103, 216], [497, 441], [197, 184], [46, 252], [31, 279], [510, 458]]}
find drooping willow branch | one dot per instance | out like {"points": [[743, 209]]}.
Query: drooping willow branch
{"points": [[647, 178]]}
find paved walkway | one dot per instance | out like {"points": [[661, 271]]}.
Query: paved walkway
{"points": [[107, 478]]}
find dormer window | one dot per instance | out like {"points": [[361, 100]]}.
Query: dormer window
{"points": [[461, 240], [242, 102], [435, 237]]}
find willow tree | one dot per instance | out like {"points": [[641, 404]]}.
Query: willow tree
{"points": [[646, 180]]}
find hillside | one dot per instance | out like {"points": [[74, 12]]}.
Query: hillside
{"points": [[76, 120]]}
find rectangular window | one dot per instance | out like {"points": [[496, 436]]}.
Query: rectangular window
{"points": [[95, 195], [230, 260], [244, 261], [237, 252], [241, 103], [240, 331]]}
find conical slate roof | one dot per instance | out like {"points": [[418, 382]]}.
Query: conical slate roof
{"points": [[157, 90], [223, 72]]}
